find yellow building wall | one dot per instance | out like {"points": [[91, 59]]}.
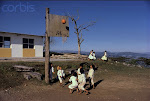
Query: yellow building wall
{"points": [[28, 52], [5, 52]]}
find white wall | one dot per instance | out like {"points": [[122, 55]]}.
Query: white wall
{"points": [[17, 44], [38, 46]]}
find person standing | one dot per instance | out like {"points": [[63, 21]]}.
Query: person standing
{"points": [[60, 74], [91, 76], [51, 71], [82, 82], [78, 72]]}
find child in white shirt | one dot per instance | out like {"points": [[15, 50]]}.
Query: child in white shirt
{"points": [[104, 58], [82, 80], [74, 84], [60, 74], [90, 55], [94, 57], [91, 76], [78, 72]]}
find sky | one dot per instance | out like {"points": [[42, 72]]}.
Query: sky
{"points": [[121, 26]]}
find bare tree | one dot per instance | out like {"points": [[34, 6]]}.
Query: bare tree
{"points": [[79, 29]]}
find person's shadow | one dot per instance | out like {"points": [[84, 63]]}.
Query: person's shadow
{"points": [[96, 84]]}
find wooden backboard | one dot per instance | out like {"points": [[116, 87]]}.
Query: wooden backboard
{"points": [[55, 26]]}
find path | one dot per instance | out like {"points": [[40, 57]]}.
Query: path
{"points": [[115, 89]]}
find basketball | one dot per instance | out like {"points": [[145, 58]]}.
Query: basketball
{"points": [[63, 21]]}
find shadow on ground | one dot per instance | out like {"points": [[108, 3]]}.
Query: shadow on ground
{"points": [[95, 84]]}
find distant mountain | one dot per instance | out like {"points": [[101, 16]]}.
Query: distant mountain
{"points": [[110, 54], [129, 55], [147, 53]]}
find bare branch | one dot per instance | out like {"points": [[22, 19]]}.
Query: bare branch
{"points": [[81, 41], [78, 15], [81, 36], [85, 27], [75, 32]]}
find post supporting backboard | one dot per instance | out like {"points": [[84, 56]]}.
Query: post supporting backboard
{"points": [[47, 47], [56, 26]]}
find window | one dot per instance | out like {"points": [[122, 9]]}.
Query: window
{"points": [[28, 43], [4, 42]]}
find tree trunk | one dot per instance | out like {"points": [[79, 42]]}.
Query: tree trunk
{"points": [[79, 49]]}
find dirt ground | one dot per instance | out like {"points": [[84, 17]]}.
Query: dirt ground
{"points": [[118, 88]]}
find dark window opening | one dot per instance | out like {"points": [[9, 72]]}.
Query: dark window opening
{"points": [[28, 43], [4, 42]]}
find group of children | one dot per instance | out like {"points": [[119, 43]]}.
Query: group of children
{"points": [[60, 73], [78, 78], [92, 55]]}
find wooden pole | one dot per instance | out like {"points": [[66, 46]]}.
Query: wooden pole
{"points": [[47, 56]]}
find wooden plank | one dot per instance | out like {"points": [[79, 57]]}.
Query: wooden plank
{"points": [[21, 68]]}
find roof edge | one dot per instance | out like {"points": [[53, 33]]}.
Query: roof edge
{"points": [[22, 34]]}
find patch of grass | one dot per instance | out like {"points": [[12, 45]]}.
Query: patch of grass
{"points": [[119, 59], [10, 78]]}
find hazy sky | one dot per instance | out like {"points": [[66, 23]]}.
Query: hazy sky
{"points": [[121, 26]]}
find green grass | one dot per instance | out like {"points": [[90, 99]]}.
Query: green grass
{"points": [[10, 78]]}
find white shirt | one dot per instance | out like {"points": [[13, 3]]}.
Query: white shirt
{"points": [[91, 73], [52, 70], [105, 54], [60, 73], [73, 79], [78, 71], [82, 78]]}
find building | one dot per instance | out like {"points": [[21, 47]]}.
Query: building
{"points": [[20, 45]]}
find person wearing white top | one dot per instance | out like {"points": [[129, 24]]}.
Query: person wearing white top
{"points": [[74, 84], [91, 55], [104, 58], [82, 83], [79, 73], [94, 57], [91, 76], [51, 71], [60, 74]]}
